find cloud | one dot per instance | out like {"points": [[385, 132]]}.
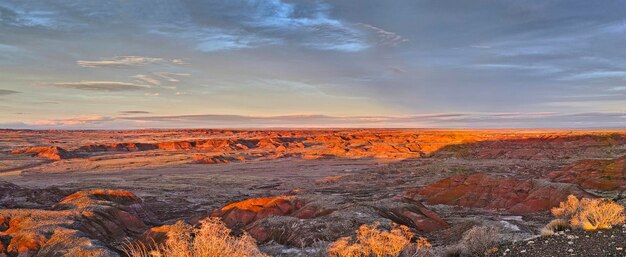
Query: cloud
{"points": [[121, 61], [147, 79], [105, 86], [7, 92], [385, 37], [79, 120], [127, 120], [134, 112], [171, 76], [433, 120], [260, 23]]}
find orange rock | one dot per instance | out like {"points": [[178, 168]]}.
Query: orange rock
{"points": [[54, 153], [82, 222], [245, 212], [182, 145]]}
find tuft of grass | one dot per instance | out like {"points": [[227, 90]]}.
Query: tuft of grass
{"points": [[211, 239], [478, 241], [554, 226], [590, 214], [372, 242]]}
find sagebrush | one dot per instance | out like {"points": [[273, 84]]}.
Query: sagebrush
{"points": [[477, 241], [211, 239], [372, 242], [590, 214]]}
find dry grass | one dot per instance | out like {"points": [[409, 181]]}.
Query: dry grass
{"points": [[590, 214], [211, 239], [554, 226], [372, 242], [478, 241]]}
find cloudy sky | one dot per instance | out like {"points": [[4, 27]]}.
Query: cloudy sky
{"points": [[306, 63]]}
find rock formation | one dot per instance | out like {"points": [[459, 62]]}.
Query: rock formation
{"points": [[86, 223], [54, 153], [606, 175], [516, 196]]}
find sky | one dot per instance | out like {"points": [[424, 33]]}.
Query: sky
{"points": [[126, 64]]}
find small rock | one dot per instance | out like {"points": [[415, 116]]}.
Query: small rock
{"points": [[570, 250]]}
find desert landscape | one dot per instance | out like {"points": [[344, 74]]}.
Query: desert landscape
{"points": [[299, 192], [312, 128]]}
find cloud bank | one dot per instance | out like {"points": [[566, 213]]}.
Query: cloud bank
{"points": [[122, 61], [435, 120], [7, 92], [102, 86]]}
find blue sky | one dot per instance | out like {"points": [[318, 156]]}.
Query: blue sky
{"points": [[349, 63]]}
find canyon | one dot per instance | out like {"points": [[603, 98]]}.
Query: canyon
{"points": [[295, 190]]}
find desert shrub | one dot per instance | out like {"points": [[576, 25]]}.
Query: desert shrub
{"points": [[372, 242], [478, 241], [554, 226], [567, 209], [211, 239], [590, 214]]}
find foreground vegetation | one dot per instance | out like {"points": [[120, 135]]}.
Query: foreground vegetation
{"points": [[211, 239], [585, 213]]}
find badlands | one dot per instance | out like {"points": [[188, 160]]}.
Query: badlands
{"points": [[295, 192]]}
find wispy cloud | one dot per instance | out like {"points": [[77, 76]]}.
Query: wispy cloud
{"points": [[7, 92], [386, 38], [134, 112], [598, 74], [121, 61], [148, 79], [106, 86], [80, 120], [171, 76]]}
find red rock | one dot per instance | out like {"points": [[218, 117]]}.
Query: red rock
{"points": [[109, 214], [482, 191], [182, 145], [413, 214], [54, 153], [594, 174], [80, 225], [242, 213]]}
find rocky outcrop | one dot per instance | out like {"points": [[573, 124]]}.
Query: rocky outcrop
{"points": [[609, 175], [516, 196], [86, 223], [13, 196], [119, 147], [109, 215], [412, 214], [299, 221], [240, 214], [382, 144], [54, 153]]}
